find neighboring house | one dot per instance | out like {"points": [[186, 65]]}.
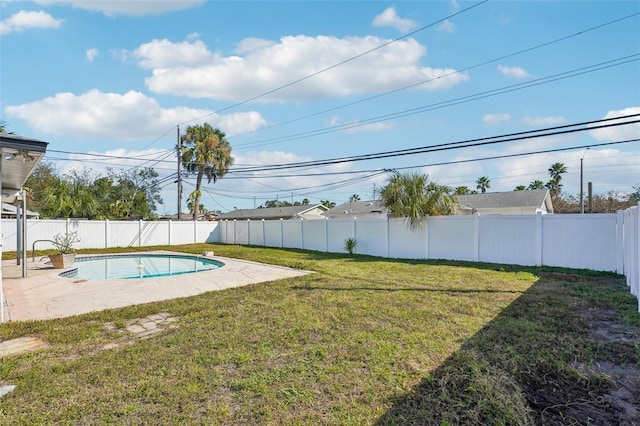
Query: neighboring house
{"points": [[291, 212], [358, 209], [512, 202], [9, 212]]}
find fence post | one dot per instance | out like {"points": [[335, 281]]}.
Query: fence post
{"points": [[235, 231], [264, 235], [140, 233], [538, 237], [326, 234], [195, 231], [476, 237], [426, 236], [107, 231], [281, 232], [248, 231], [386, 222], [301, 233], [620, 242], [169, 231]]}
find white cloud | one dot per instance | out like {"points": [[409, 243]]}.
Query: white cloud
{"points": [[24, 20], [130, 8], [252, 44], [91, 54], [544, 121], [164, 54], [454, 4], [495, 119], [268, 65], [122, 117], [513, 72], [447, 27], [355, 127], [629, 131], [389, 18]]}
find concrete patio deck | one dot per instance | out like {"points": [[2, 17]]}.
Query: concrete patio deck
{"points": [[43, 294]]}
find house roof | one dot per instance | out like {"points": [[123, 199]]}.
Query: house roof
{"points": [[11, 210], [271, 212], [356, 208], [535, 198], [19, 156]]}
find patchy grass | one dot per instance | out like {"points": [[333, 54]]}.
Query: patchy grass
{"points": [[364, 340]]}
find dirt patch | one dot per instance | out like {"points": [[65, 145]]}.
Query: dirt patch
{"points": [[621, 403]]}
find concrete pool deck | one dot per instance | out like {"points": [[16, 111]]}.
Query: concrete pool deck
{"points": [[43, 294]]}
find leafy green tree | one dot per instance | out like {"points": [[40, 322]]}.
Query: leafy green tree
{"points": [[536, 184], [634, 197], [483, 183], [3, 128], [414, 197], [520, 188], [205, 152], [328, 204], [305, 201]]}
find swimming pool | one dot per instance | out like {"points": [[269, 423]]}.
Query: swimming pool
{"points": [[143, 265]]}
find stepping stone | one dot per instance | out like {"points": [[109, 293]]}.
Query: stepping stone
{"points": [[21, 345]]}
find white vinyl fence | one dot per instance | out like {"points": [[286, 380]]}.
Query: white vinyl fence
{"points": [[106, 233], [602, 242]]}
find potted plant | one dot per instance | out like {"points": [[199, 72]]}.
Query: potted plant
{"points": [[66, 254]]}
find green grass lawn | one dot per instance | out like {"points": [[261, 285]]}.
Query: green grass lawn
{"points": [[362, 341]]}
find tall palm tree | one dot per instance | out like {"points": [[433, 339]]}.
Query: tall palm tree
{"points": [[414, 197], [354, 197], [205, 152], [556, 170], [483, 183]]}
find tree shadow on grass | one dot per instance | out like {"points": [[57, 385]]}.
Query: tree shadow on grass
{"points": [[537, 363]]}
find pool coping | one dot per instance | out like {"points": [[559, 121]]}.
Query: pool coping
{"points": [[44, 294]]}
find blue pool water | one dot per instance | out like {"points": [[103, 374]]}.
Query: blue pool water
{"points": [[138, 266]]}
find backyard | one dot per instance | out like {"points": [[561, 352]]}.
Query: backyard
{"points": [[363, 340]]}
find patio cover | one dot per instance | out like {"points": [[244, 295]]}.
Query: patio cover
{"points": [[18, 157]]}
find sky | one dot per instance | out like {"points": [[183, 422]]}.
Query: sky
{"points": [[110, 83]]}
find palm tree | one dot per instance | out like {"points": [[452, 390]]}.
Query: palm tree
{"points": [[205, 152], [354, 197], [520, 188], [555, 172], [483, 183], [461, 190], [536, 184], [414, 197], [328, 204]]}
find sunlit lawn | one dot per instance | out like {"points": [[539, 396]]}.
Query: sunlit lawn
{"points": [[363, 340]]}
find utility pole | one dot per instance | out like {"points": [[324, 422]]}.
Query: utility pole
{"points": [[179, 147], [581, 183]]}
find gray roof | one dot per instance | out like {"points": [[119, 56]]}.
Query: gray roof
{"points": [[357, 208], [270, 212], [534, 198]]}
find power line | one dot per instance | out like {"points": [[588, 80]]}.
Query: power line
{"points": [[551, 131], [468, 68], [451, 102], [337, 64]]}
